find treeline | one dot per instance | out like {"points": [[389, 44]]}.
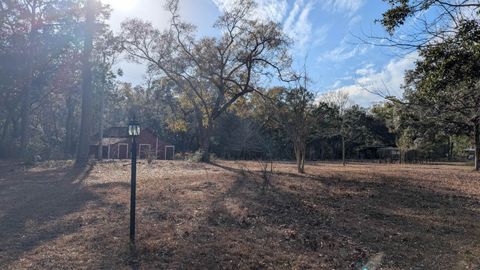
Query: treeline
{"points": [[208, 95], [44, 56]]}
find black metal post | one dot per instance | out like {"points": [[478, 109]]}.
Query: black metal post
{"points": [[133, 190]]}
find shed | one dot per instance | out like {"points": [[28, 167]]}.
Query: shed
{"points": [[392, 153], [469, 153], [116, 145]]}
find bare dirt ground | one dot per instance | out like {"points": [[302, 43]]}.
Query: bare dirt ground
{"points": [[198, 216]]}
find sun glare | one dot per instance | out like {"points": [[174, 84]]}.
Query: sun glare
{"points": [[120, 4]]}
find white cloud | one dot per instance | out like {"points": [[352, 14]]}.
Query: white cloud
{"points": [[336, 84], [274, 10], [386, 81], [348, 7], [298, 26], [289, 22], [339, 54], [343, 52], [367, 70], [320, 35], [296, 22], [354, 20], [224, 5]]}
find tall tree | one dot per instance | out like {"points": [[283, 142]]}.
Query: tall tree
{"points": [[37, 40], [211, 73], [33, 9], [86, 120], [292, 111], [445, 84], [341, 102]]}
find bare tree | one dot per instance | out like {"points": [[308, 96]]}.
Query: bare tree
{"points": [[212, 73], [414, 24]]}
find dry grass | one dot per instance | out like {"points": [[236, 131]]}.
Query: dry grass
{"points": [[197, 216]]}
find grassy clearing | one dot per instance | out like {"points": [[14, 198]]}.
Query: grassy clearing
{"points": [[202, 216]]}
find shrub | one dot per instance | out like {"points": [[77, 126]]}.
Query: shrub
{"points": [[181, 156], [195, 157], [150, 157]]}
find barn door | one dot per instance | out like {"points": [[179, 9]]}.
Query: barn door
{"points": [[123, 151], [144, 151], [169, 152], [161, 153], [105, 151]]}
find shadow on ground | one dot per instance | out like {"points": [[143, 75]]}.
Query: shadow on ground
{"points": [[229, 222], [33, 203], [309, 221]]}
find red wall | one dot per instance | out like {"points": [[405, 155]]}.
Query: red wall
{"points": [[147, 136]]}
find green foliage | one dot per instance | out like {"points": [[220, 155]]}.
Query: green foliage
{"points": [[444, 13], [40, 48], [460, 143], [415, 24], [211, 74], [201, 101], [442, 94], [396, 15], [444, 83], [195, 157]]}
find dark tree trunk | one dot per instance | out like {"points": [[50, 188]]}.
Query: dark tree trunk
{"points": [[299, 148], [86, 120], [26, 95], [67, 150], [102, 108], [25, 116], [203, 134], [344, 162], [477, 146], [5, 126], [10, 131], [205, 149], [450, 148], [205, 143]]}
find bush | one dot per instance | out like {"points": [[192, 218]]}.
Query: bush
{"points": [[180, 156], [28, 160], [32, 155], [195, 157]]}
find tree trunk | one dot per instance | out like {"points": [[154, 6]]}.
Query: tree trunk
{"points": [[450, 148], [203, 135], [67, 151], [477, 146], [102, 108], [302, 160], [25, 127], [25, 109], [299, 149], [205, 145], [343, 151], [4, 131], [86, 120]]}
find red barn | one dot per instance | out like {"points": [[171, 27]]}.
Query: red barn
{"points": [[116, 145]]}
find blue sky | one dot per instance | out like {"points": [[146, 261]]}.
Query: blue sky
{"points": [[325, 36]]}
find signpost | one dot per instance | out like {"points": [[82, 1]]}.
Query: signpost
{"points": [[133, 131]]}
